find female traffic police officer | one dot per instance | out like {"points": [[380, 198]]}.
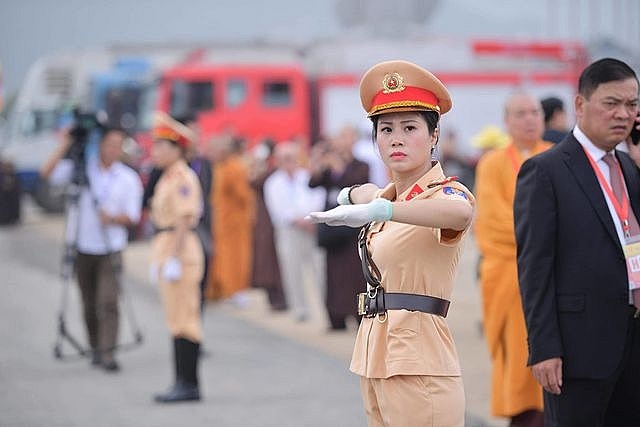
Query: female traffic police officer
{"points": [[176, 256], [404, 351]]}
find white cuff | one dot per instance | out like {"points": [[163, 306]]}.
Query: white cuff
{"points": [[343, 196]]}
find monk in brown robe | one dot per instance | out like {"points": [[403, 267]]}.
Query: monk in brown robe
{"points": [[233, 202]]}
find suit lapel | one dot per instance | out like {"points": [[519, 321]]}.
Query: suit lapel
{"points": [[577, 162], [632, 181]]}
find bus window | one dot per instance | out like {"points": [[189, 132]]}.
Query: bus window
{"points": [[190, 97], [36, 122], [146, 108], [236, 93], [122, 106], [276, 94]]}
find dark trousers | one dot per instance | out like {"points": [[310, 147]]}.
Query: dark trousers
{"points": [[98, 279], [610, 402], [204, 281], [277, 300]]}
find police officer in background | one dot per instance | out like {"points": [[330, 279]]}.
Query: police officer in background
{"points": [[202, 167], [177, 260]]}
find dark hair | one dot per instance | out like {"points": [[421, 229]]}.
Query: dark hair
{"points": [[603, 71], [238, 144], [550, 105], [108, 129], [431, 117], [187, 118]]}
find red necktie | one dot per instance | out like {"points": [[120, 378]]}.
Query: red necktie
{"points": [[615, 174]]}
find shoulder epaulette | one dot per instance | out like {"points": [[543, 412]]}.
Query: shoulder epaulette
{"points": [[444, 181]]}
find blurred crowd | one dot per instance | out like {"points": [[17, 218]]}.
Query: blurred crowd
{"points": [[255, 199], [253, 229]]}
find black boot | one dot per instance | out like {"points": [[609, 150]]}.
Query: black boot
{"points": [[185, 388], [191, 352]]}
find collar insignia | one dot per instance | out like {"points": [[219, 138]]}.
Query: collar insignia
{"points": [[416, 190]]}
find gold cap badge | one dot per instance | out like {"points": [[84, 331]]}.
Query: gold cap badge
{"points": [[392, 83]]}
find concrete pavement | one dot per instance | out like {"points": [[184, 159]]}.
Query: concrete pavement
{"points": [[264, 369]]}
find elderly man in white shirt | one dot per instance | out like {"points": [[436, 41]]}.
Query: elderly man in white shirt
{"points": [[109, 202], [289, 199]]}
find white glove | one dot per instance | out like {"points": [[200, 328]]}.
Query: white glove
{"points": [[343, 196], [355, 215], [172, 269]]}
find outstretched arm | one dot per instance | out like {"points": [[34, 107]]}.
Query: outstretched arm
{"points": [[437, 213]]}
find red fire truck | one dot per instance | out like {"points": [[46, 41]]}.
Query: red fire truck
{"points": [[289, 92]]}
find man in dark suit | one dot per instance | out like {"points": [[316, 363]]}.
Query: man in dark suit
{"points": [[584, 340]]}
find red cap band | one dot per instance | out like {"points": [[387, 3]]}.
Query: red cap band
{"points": [[165, 132], [410, 96]]}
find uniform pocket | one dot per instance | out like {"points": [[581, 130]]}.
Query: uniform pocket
{"points": [[404, 323], [403, 340]]}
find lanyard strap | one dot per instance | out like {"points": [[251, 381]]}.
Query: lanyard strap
{"points": [[620, 206]]}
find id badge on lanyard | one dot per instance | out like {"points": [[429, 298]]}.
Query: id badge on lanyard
{"points": [[631, 247], [631, 250]]}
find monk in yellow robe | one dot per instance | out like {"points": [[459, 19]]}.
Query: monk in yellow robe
{"points": [[233, 207], [515, 393]]}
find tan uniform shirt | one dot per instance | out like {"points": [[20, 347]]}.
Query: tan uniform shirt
{"points": [[176, 195], [417, 260]]}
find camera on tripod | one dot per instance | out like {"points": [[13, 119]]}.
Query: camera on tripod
{"points": [[84, 123], [84, 126]]}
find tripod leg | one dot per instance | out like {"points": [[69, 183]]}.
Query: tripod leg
{"points": [[62, 333], [116, 265], [126, 303]]}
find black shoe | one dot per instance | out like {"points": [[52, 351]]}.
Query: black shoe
{"points": [[279, 307], [337, 323], [111, 366], [96, 359], [180, 392]]}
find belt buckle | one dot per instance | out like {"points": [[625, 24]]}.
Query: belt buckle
{"points": [[362, 304]]}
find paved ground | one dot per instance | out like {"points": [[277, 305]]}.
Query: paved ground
{"points": [[263, 369]]}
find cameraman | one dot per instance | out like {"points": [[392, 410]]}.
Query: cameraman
{"points": [[108, 203]]}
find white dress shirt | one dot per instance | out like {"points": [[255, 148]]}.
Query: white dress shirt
{"points": [[117, 190], [597, 154], [289, 198]]}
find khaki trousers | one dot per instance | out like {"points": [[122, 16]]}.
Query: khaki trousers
{"points": [[299, 259], [413, 401]]}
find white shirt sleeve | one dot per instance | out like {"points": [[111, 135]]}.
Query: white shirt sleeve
{"points": [[62, 172], [134, 202], [273, 192]]}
